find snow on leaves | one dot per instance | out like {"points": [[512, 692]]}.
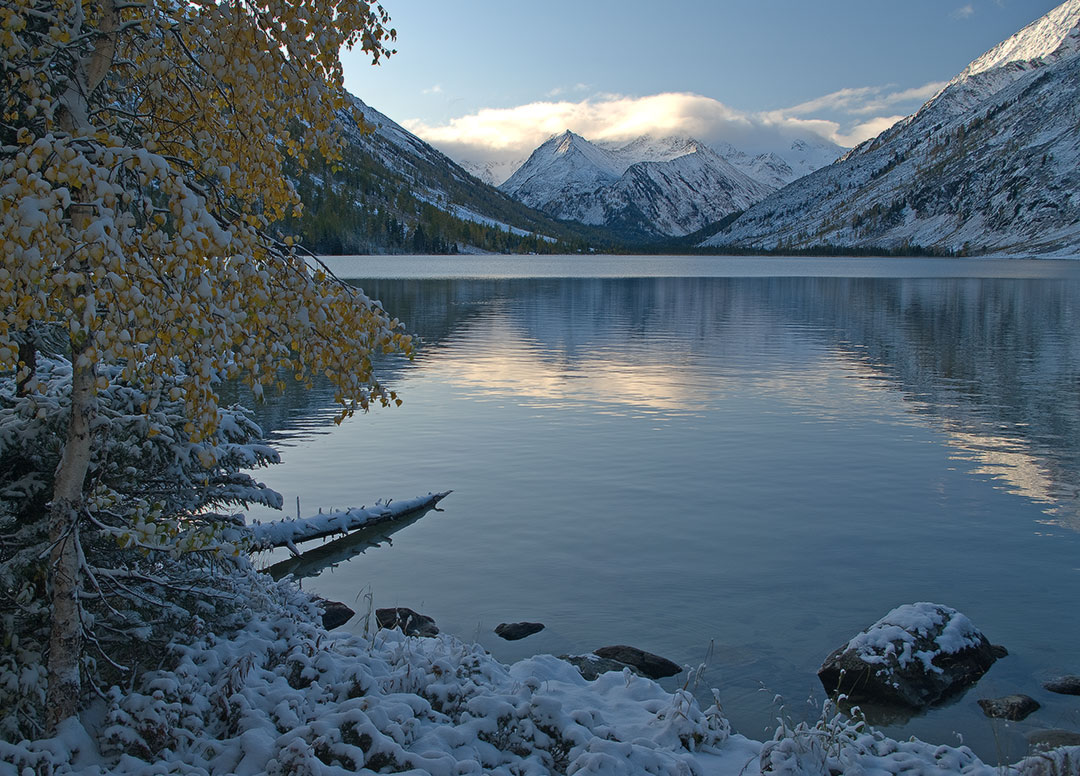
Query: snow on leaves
{"points": [[141, 167]]}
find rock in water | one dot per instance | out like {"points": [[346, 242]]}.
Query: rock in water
{"points": [[645, 663], [1014, 707], [411, 623], [335, 614], [1066, 685], [915, 656], [1041, 740], [512, 631]]}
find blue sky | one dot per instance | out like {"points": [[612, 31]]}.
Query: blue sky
{"points": [[493, 78]]}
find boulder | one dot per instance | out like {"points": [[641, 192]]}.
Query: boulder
{"points": [[1014, 707], [1066, 685], [512, 631], [335, 614], [645, 663], [918, 655], [1041, 740], [409, 622], [591, 666]]}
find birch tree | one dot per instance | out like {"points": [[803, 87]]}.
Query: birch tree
{"points": [[142, 147]]}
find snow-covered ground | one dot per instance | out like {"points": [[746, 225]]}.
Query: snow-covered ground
{"points": [[277, 694], [469, 215]]}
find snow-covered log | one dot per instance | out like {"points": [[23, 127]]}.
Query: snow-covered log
{"points": [[289, 533]]}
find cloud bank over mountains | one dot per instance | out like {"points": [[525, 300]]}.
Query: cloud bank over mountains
{"points": [[846, 117]]}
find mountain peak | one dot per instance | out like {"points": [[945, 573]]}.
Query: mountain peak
{"points": [[566, 136], [988, 164], [566, 141], [1050, 37]]}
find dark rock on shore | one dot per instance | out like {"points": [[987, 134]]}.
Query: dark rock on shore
{"points": [[512, 631], [916, 656], [645, 663], [335, 614], [591, 666], [1014, 707], [1066, 685], [411, 623]]}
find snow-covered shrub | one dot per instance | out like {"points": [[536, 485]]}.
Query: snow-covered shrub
{"points": [[282, 696], [838, 744], [152, 533]]}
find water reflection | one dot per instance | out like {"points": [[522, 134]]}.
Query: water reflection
{"points": [[992, 363], [341, 550], [770, 463]]}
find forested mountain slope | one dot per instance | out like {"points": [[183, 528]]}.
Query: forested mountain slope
{"points": [[394, 193]]}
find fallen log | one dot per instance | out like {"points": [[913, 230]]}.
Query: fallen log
{"points": [[289, 533]]}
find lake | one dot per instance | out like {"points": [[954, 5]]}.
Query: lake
{"points": [[741, 462]]}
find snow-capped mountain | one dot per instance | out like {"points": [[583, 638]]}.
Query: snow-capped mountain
{"points": [[647, 148], [777, 168], [493, 173], [652, 188], [394, 193], [565, 165], [988, 164]]}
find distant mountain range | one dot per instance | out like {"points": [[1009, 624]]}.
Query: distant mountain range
{"points": [[990, 164], [394, 193], [652, 188]]}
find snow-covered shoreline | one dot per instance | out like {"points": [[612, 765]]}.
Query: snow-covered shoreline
{"points": [[282, 695]]}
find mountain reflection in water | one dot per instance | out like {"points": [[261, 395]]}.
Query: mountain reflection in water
{"points": [[993, 363]]}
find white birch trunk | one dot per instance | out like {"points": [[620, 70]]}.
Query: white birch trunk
{"points": [[66, 638]]}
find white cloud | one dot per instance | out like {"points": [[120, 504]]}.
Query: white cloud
{"points": [[918, 94], [559, 91], [844, 99], [866, 99], [866, 130], [436, 89], [964, 12], [846, 117]]}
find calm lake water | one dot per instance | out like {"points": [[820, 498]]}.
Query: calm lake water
{"points": [[741, 460]]}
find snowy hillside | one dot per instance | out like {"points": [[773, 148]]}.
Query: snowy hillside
{"points": [[404, 153], [988, 164], [777, 168], [684, 194], [667, 187], [493, 173], [394, 193]]}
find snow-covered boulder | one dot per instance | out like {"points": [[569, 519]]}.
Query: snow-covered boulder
{"points": [[915, 656]]}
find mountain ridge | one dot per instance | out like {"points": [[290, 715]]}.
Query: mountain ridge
{"points": [[986, 165], [647, 188]]}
